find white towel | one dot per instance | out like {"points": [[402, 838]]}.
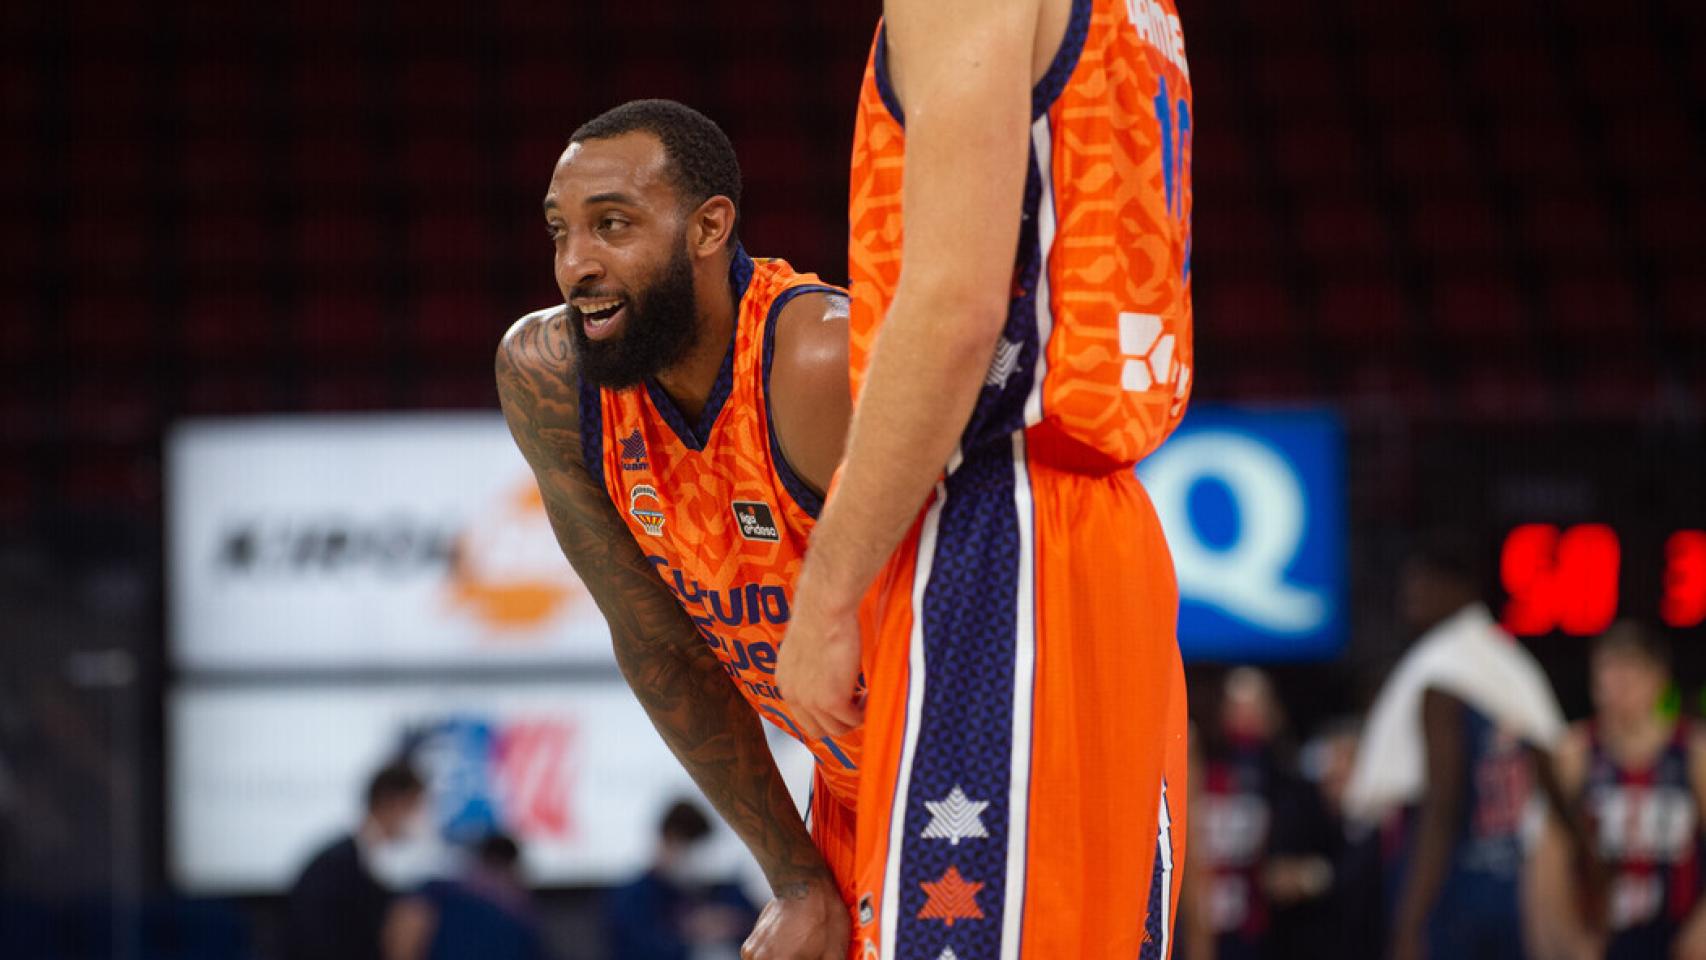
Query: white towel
{"points": [[1470, 657]]}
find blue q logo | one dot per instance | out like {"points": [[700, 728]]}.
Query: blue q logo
{"points": [[1253, 508]]}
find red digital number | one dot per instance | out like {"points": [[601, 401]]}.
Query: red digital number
{"points": [[1560, 580], [1684, 603]]}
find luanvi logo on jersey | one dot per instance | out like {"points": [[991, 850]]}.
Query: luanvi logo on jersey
{"points": [[756, 521], [645, 506], [634, 452]]}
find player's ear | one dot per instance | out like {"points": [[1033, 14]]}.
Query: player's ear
{"points": [[711, 227]]}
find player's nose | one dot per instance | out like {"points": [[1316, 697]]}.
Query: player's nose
{"points": [[578, 263]]}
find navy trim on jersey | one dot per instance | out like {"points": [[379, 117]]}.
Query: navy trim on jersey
{"points": [[592, 428], [885, 89], [693, 436], [1049, 88], [1043, 95], [1000, 407], [804, 496]]}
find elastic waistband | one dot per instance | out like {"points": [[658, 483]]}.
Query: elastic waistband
{"points": [[1047, 446]]}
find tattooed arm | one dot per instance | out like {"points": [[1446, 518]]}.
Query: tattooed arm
{"points": [[673, 673]]}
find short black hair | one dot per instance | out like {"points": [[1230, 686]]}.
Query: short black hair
{"points": [[497, 850], [701, 158], [1452, 552], [684, 822], [1634, 638], [394, 781]]}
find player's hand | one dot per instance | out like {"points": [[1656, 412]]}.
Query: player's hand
{"points": [[713, 924], [817, 667], [808, 923]]}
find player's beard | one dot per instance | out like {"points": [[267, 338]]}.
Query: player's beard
{"points": [[661, 328]]}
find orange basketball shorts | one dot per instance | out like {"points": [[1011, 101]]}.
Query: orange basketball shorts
{"points": [[1022, 793]]}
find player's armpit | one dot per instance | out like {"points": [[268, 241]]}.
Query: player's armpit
{"points": [[811, 398], [673, 673]]}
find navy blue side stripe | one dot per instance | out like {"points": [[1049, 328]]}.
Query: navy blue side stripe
{"points": [[965, 733], [1155, 936]]}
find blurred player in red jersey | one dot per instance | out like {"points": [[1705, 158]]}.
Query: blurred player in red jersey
{"points": [[1640, 776], [683, 412], [1023, 783]]}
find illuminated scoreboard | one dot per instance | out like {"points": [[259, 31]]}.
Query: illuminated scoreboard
{"points": [[1569, 579], [1587, 524]]}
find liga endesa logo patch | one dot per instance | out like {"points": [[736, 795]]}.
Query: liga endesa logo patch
{"points": [[755, 521]]}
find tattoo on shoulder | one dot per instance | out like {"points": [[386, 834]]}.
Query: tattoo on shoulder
{"points": [[672, 672]]}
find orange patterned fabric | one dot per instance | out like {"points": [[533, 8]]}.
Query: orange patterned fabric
{"points": [[718, 512], [1024, 769], [1108, 215]]}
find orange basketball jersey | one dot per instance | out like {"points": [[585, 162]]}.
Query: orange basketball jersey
{"points": [[1023, 778], [714, 504], [1097, 345]]}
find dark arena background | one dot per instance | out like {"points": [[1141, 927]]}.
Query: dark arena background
{"points": [[261, 528]]}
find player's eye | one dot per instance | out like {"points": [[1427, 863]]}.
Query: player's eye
{"points": [[553, 230], [607, 224]]}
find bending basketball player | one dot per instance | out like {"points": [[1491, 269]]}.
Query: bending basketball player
{"points": [[1022, 790], [683, 412]]}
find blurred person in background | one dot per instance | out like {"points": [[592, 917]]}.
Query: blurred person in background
{"points": [[680, 908], [1639, 774], [484, 914], [1458, 737], [1355, 927], [1267, 843], [337, 908]]}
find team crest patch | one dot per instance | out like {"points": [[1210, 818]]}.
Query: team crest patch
{"points": [[644, 506], [866, 912], [755, 521], [634, 452]]}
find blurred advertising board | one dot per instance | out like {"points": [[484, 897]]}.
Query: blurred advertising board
{"points": [[262, 776], [328, 542], [1253, 504]]}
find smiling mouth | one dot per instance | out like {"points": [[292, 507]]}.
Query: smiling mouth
{"points": [[596, 315]]}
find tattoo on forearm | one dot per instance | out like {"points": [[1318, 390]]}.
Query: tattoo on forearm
{"points": [[677, 679]]}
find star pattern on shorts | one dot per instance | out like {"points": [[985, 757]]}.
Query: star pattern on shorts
{"points": [[955, 818], [951, 898], [948, 954]]}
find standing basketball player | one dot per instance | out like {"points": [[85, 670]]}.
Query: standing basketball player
{"points": [[683, 412], [1641, 777], [1023, 783]]}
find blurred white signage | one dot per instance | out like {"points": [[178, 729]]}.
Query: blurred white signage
{"points": [[261, 778], [365, 541]]}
